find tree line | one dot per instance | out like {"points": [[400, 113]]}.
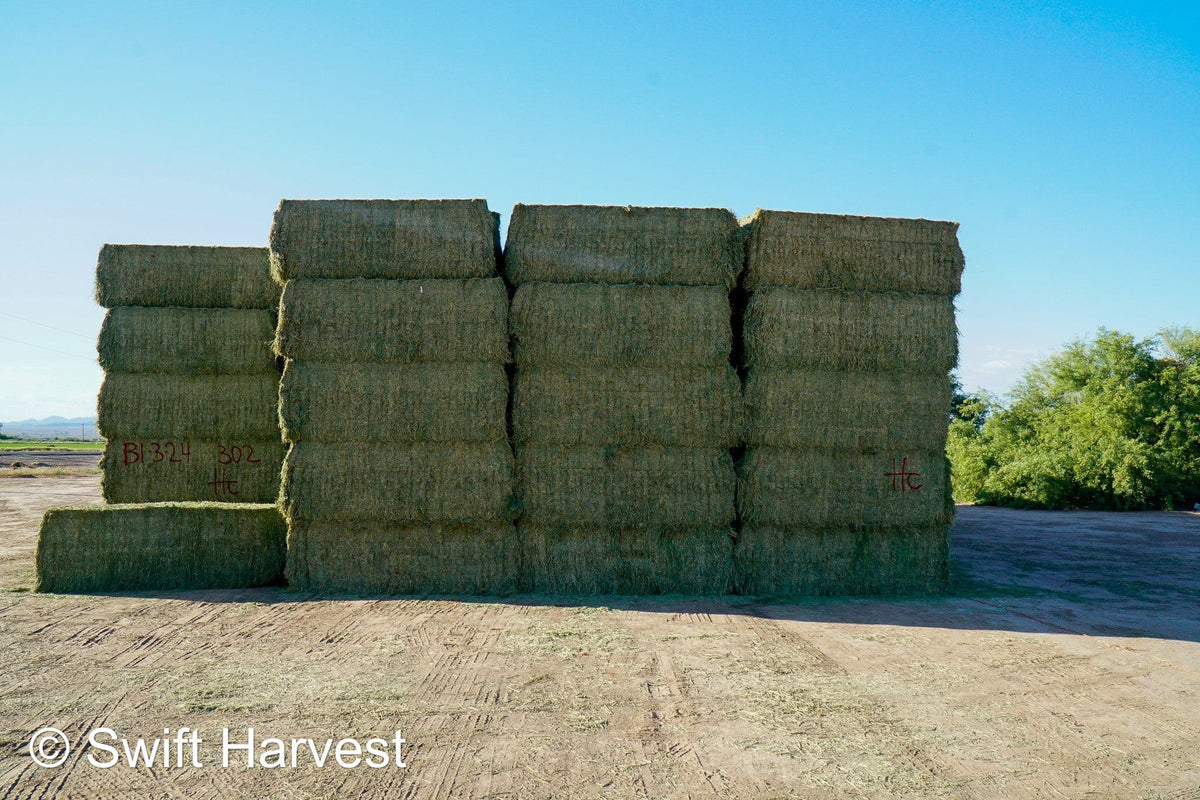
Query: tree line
{"points": [[1107, 423]]}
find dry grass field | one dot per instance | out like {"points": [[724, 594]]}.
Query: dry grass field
{"points": [[1066, 664]]}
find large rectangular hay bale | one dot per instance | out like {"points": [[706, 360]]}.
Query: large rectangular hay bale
{"points": [[188, 276], [848, 410], [814, 487], [159, 470], [628, 406], [383, 558], [841, 561], [813, 251], [163, 546], [224, 407], [383, 239], [399, 482], [196, 341], [574, 324], [866, 331], [393, 402], [626, 560], [626, 487], [394, 321], [623, 244]]}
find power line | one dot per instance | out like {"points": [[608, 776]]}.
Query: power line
{"points": [[44, 325], [51, 349]]}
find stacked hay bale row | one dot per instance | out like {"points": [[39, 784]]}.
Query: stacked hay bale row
{"points": [[849, 336], [625, 406], [393, 402], [189, 394]]}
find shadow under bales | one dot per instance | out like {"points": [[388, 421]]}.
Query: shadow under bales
{"points": [[1092, 573]]}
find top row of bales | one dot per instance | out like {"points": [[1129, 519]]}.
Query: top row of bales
{"points": [[625, 405], [393, 325]]}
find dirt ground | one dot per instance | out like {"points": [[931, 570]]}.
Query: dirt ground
{"points": [[50, 459], [1066, 664]]}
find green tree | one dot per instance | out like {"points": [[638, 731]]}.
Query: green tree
{"points": [[1110, 423], [965, 446]]}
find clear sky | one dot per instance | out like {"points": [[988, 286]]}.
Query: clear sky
{"points": [[1065, 137]]}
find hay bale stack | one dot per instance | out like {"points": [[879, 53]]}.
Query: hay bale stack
{"points": [[191, 384], [625, 405], [848, 338], [170, 546], [393, 325]]}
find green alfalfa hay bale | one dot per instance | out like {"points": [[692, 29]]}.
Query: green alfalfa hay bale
{"points": [[383, 239], [587, 325], [385, 558], [623, 244], [819, 487], [398, 482], [841, 561], [625, 560], [394, 321], [188, 276], [393, 402], [848, 410], [159, 546], [626, 406], [626, 487], [861, 331], [816, 251], [161, 470], [215, 407], [195, 341]]}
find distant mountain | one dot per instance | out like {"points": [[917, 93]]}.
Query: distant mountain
{"points": [[52, 428]]}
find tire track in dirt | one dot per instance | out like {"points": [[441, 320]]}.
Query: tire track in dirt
{"points": [[47, 784], [461, 677], [873, 713], [668, 700], [774, 634]]}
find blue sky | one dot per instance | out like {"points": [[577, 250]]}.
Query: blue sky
{"points": [[1064, 137]]}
